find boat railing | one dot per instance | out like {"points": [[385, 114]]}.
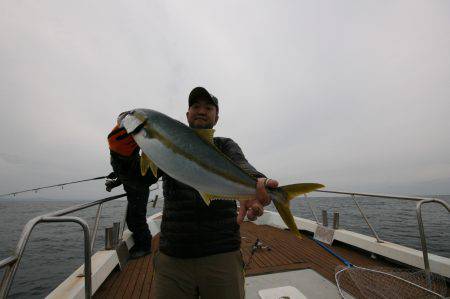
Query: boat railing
{"points": [[11, 263], [420, 202], [423, 239]]}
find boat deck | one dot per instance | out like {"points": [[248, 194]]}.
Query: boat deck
{"points": [[286, 253]]}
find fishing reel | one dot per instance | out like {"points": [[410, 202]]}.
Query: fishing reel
{"points": [[258, 245], [112, 181]]}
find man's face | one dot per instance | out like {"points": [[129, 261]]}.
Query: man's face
{"points": [[202, 115]]}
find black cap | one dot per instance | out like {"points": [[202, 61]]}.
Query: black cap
{"points": [[201, 92]]}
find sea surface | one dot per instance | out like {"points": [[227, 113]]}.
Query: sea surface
{"points": [[54, 250]]}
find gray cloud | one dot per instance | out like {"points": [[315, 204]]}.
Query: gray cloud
{"points": [[352, 94]]}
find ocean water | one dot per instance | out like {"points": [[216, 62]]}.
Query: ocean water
{"points": [[54, 251]]}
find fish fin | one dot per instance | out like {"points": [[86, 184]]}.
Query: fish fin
{"points": [[286, 215], [289, 192], [207, 198], [242, 197], [295, 190], [206, 134], [146, 163]]}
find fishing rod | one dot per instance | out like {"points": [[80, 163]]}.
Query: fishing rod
{"points": [[56, 185]]}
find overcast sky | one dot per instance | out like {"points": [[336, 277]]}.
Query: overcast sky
{"points": [[352, 94]]}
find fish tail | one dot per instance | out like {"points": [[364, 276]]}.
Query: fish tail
{"points": [[284, 195]]}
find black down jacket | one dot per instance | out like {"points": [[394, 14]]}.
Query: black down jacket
{"points": [[189, 227]]}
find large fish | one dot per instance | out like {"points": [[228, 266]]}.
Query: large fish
{"points": [[189, 157]]}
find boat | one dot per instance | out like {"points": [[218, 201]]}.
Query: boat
{"points": [[329, 262]]}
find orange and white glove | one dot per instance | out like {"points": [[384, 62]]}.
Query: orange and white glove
{"points": [[120, 141]]}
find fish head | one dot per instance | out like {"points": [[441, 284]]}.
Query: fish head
{"points": [[134, 121]]}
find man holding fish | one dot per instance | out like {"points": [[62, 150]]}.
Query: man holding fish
{"points": [[202, 177]]}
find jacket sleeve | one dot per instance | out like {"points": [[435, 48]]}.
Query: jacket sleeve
{"points": [[128, 170], [234, 152]]}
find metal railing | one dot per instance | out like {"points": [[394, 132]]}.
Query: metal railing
{"points": [[11, 263], [423, 240], [420, 201]]}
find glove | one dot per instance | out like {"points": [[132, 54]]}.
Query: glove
{"points": [[121, 142], [112, 183]]}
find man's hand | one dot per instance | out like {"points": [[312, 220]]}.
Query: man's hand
{"points": [[253, 208]]}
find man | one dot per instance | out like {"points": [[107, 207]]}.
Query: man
{"points": [[199, 245], [125, 161]]}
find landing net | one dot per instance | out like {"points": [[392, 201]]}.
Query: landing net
{"points": [[389, 283]]}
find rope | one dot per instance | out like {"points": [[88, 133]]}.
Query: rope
{"points": [[347, 263]]}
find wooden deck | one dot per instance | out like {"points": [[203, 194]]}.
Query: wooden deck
{"points": [[286, 253]]}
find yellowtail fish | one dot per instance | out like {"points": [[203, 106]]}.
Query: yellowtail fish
{"points": [[190, 157]]}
